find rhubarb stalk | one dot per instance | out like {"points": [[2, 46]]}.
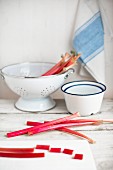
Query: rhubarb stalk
{"points": [[22, 155], [19, 150], [77, 134]]}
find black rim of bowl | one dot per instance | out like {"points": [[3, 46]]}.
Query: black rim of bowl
{"points": [[102, 89]]}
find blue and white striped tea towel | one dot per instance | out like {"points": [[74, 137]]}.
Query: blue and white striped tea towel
{"points": [[89, 38]]}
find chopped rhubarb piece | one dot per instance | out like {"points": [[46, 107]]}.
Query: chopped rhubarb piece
{"points": [[19, 150], [78, 156], [21, 155], [68, 151], [57, 150], [44, 147]]}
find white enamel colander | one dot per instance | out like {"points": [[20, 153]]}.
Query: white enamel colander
{"points": [[34, 90]]}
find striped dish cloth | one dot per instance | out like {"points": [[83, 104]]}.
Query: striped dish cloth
{"points": [[89, 38]]}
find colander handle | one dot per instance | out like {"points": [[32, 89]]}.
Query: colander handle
{"points": [[1, 74], [70, 71]]}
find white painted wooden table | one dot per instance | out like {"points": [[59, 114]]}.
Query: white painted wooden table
{"points": [[12, 119]]}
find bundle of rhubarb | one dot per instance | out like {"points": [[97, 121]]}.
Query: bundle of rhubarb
{"points": [[60, 124], [67, 61]]}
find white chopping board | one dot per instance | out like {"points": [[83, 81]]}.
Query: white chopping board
{"points": [[51, 161]]}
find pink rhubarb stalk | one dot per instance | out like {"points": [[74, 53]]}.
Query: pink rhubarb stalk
{"points": [[22, 155], [91, 120], [77, 134], [67, 123], [60, 69], [19, 150], [84, 121], [18, 132], [107, 120]]}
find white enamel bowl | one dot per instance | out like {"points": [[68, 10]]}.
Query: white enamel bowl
{"points": [[34, 90], [84, 97]]}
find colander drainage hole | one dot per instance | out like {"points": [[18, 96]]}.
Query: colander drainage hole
{"points": [[47, 90], [43, 93], [21, 91]]}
